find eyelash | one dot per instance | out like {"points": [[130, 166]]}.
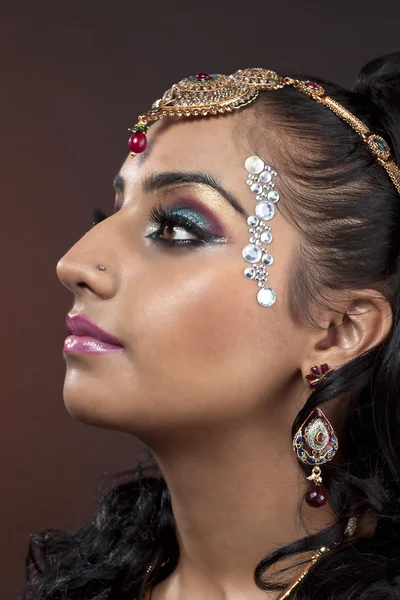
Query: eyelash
{"points": [[98, 216], [162, 216]]}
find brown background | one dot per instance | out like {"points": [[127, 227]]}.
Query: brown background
{"points": [[74, 75]]}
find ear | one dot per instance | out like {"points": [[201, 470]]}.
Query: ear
{"points": [[362, 322]]}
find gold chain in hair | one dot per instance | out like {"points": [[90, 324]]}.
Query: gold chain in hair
{"points": [[204, 94], [376, 144]]}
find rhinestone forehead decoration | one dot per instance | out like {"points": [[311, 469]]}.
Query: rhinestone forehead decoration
{"points": [[207, 94], [261, 181]]}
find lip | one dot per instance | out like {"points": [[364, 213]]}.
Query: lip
{"points": [[86, 336]]}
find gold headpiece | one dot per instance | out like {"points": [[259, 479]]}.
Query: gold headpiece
{"points": [[205, 94]]}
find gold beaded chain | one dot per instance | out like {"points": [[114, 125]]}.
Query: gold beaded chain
{"points": [[376, 144], [213, 94]]}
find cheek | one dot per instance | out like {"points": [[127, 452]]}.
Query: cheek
{"points": [[190, 319], [204, 339]]}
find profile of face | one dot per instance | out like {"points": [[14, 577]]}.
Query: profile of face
{"points": [[199, 350]]}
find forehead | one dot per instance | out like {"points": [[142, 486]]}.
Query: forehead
{"points": [[215, 144]]}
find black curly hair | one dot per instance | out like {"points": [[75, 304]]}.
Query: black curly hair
{"points": [[347, 211]]}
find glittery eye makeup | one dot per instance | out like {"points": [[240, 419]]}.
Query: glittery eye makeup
{"points": [[194, 217], [182, 221], [201, 212]]}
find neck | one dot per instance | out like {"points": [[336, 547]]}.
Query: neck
{"points": [[235, 495]]}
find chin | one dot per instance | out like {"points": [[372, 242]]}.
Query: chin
{"points": [[84, 401], [91, 402], [82, 411]]}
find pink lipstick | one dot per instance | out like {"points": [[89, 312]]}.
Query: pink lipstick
{"points": [[87, 337]]}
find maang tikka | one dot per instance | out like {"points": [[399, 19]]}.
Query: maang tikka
{"points": [[261, 181]]}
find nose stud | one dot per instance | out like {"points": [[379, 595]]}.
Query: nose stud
{"points": [[101, 267]]}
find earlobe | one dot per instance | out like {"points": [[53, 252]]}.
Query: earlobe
{"points": [[364, 324]]}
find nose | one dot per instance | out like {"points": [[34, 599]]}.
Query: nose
{"points": [[78, 269]]}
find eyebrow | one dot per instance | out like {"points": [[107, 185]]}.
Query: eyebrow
{"points": [[158, 181]]}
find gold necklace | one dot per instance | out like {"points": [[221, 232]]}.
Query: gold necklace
{"points": [[286, 593]]}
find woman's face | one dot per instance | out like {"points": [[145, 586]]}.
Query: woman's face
{"points": [[198, 347]]}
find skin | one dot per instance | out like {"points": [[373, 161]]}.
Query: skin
{"points": [[209, 379]]}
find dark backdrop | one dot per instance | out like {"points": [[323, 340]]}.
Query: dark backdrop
{"points": [[74, 75]]}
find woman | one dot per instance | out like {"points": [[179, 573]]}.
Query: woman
{"points": [[247, 291]]}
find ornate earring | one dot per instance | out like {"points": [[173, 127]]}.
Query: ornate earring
{"points": [[315, 443], [351, 526], [317, 374], [260, 180]]}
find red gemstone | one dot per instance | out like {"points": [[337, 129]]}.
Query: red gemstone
{"points": [[320, 438], [324, 368], [315, 370], [316, 496], [137, 142], [202, 76], [311, 377], [312, 85]]}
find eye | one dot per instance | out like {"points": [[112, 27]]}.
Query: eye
{"points": [[179, 227], [170, 231]]}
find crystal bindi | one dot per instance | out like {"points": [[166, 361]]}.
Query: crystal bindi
{"points": [[265, 210], [256, 188], [273, 196], [266, 296], [249, 273], [251, 253], [266, 237], [252, 221], [265, 176], [254, 165]]}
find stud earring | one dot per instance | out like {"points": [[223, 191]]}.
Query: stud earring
{"points": [[314, 444], [260, 180], [318, 374]]}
